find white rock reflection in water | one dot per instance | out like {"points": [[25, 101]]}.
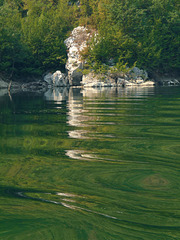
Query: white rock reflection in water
{"points": [[96, 93], [90, 156], [57, 94], [80, 155], [84, 111], [110, 92], [77, 114], [66, 194], [138, 91], [3, 92], [80, 134], [81, 101]]}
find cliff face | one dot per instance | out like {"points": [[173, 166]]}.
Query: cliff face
{"points": [[75, 44]]}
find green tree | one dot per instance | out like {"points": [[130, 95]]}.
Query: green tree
{"points": [[145, 32], [12, 52]]}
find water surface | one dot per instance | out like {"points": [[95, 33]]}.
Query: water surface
{"points": [[94, 164]]}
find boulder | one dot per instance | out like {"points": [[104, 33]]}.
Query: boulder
{"points": [[136, 73], [48, 78], [57, 79]]}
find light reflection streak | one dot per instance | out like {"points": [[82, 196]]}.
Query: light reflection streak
{"points": [[83, 155], [64, 204], [79, 134], [86, 107]]}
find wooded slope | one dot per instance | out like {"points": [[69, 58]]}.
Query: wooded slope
{"points": [[144, 33]]}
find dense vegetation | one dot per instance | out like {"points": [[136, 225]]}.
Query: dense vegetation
{"points": [[141, 32], [32, 34]]}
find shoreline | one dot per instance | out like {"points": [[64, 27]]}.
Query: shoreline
{"points": [[31, 89]]}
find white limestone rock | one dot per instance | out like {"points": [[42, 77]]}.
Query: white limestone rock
{"points": [[121, 82], [148, 83], [57, 79], [139, 81], [97, 80], [140, 84], [75, 44], [130, 84]]}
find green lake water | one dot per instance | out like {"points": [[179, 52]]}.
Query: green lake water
{"points": [[90, 164]]}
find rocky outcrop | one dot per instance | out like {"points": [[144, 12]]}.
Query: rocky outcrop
{"points": [[134, 83], [132, 78], [75, 44], [57, 79], [97, 80], [138, 74], [168, 81]]}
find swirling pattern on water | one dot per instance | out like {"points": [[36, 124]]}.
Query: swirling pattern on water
{"points": [[90, 164]]}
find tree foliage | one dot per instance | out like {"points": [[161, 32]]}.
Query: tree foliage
{"points": [[141, 32], [145, 32], [32, 34]]}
